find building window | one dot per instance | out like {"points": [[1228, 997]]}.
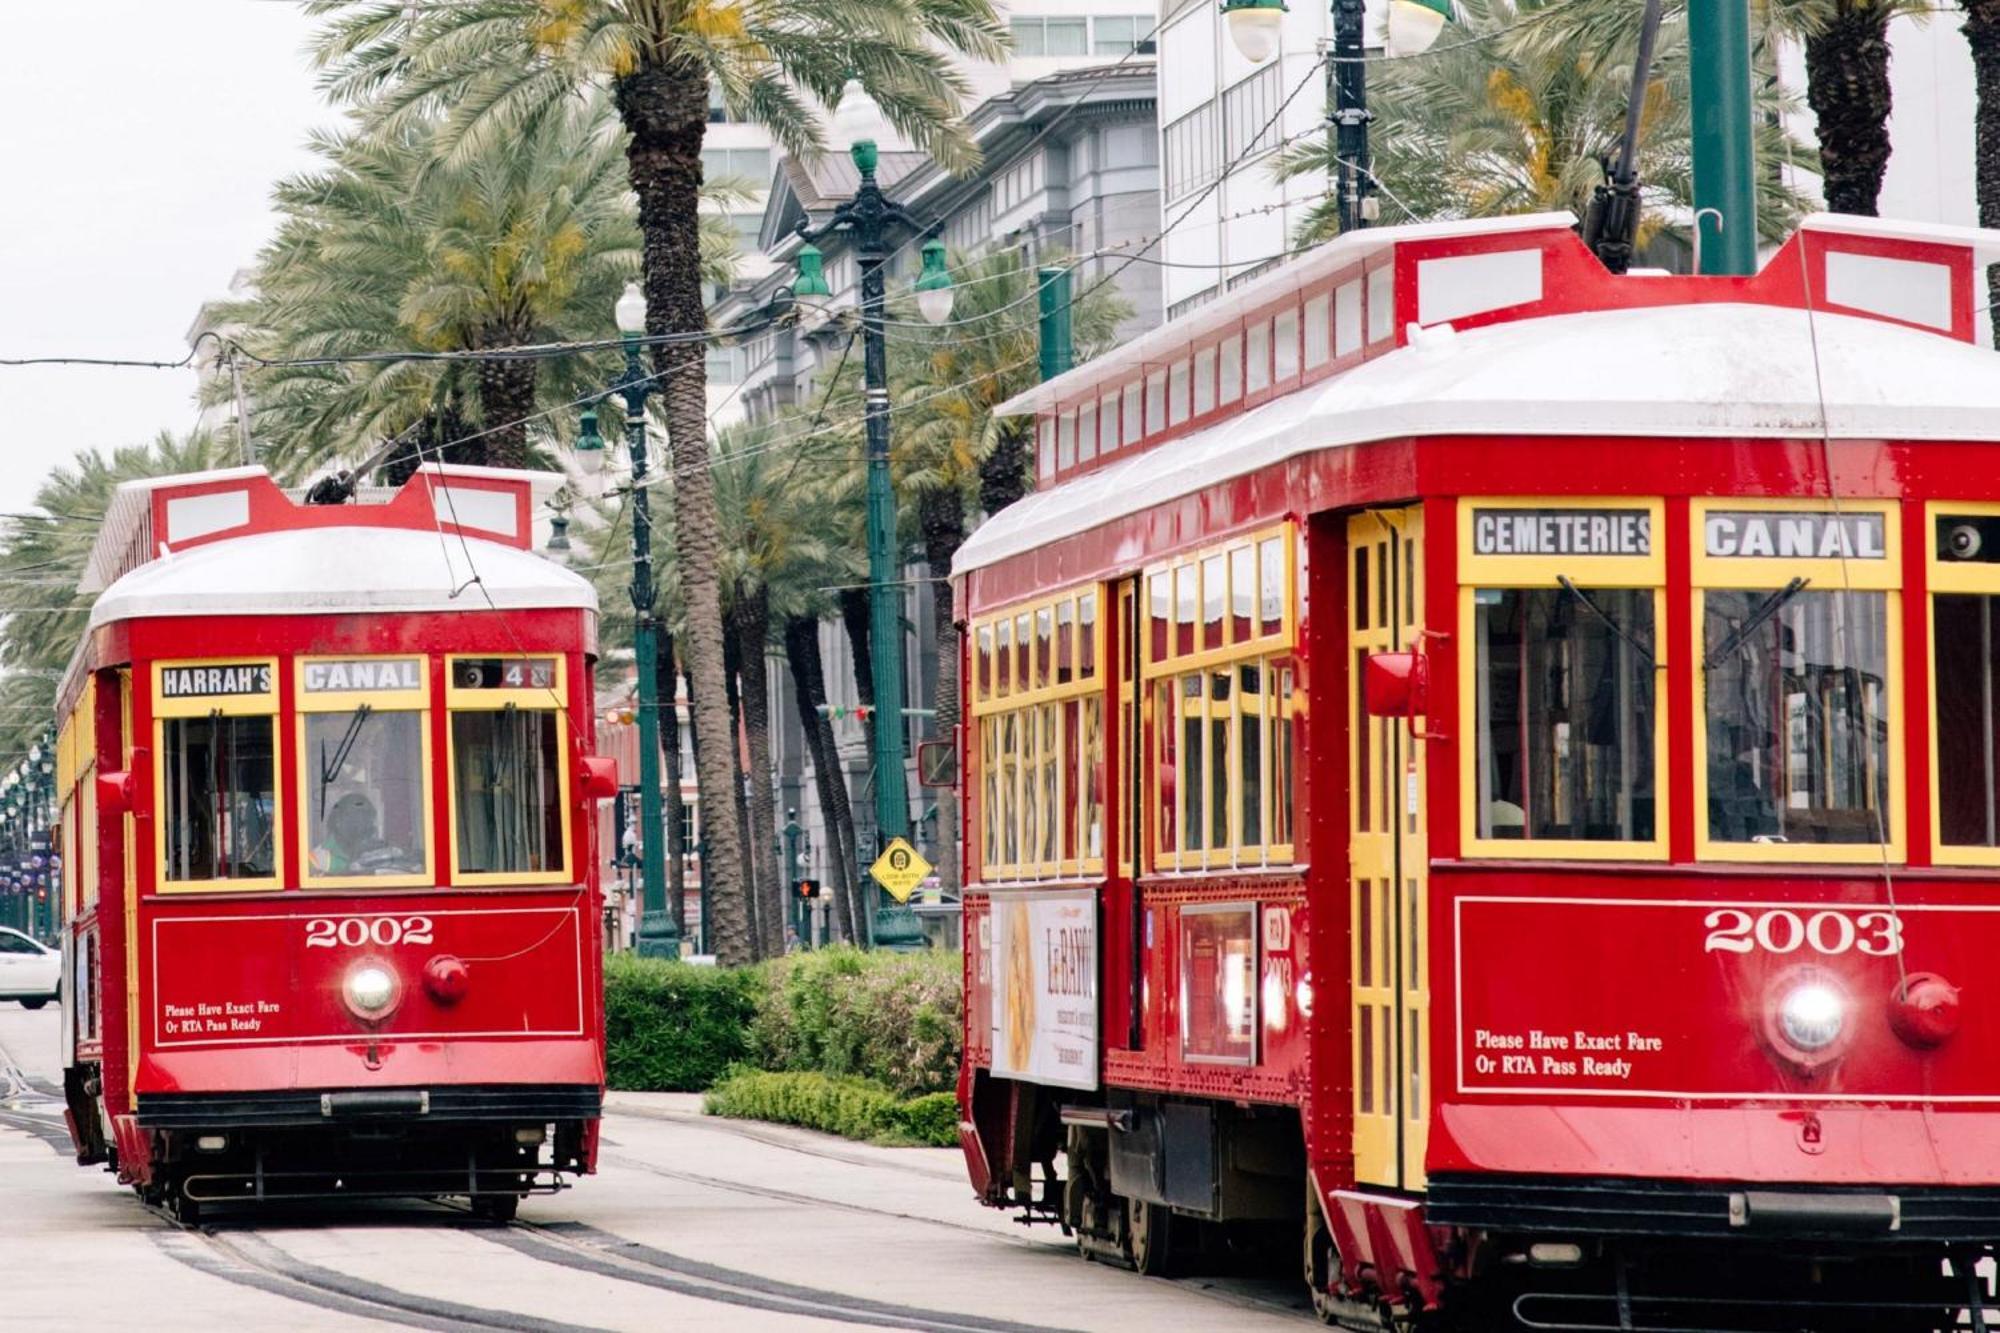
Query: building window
{"points": [[752, 165], [722, 365], [1193, 152], [1118, 35], [1248, 115], [1019, 182], [1039, 36]]}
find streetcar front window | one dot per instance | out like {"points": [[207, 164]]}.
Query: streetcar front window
{"points": [[505, 766], [365, 793], [1565, 713], [1798, 715], [219, 798]]}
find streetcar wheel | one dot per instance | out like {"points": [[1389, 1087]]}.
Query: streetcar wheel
{"points": [[1149, 1234], [496, 1207]]}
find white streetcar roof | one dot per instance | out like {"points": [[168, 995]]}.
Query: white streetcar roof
{"points": [[307, 571], [1724, 371]]}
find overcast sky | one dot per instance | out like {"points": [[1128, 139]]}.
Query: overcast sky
{"points": [[140, 141]]}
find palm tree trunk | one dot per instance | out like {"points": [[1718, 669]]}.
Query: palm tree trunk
{"points": [[750, 623], [506, 401], [941, 514], [670, 754], [1847, 86], [854, 617], [753, 853], [666, 111], [809, 689], [1004, 474], [1982, 33]]}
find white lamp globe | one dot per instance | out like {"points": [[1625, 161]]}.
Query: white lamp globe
{"points": [[630, 312], [1413, 25], [858, 118], [1254, 26]]}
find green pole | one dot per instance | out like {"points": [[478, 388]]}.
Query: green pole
{"points": [[1057, 337], [1725, 168], [659, 932]]}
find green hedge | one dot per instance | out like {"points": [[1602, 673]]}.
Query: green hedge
{"points": [[674, 1027], [857, 1108], [889, 1018], [892, 1018]]}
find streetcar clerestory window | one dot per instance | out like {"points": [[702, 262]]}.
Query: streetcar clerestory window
{"points": [[509, 791], [219, 798], [1797, 714], [1565, 711], [365, 793]]}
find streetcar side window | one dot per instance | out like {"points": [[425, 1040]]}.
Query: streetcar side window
{"points": [[507, 767], [1565, 712], [218, 803]]}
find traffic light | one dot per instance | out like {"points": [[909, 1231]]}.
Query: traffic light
{"points": [[806, 890]]}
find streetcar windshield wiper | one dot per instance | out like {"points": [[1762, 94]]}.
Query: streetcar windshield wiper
{"points": [[1763, 611], [1589, 604], [330, 765]]}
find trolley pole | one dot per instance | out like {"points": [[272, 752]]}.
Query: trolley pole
{"points": [[1725, 180], [659, 933], [868, 217]]}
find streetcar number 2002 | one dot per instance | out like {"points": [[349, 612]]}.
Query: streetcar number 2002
{"points": [[354, 931], [1733, 930]]}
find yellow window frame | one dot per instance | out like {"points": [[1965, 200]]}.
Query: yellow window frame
{"points": [[1275, 704], [1509, 572], [416, 701], [1031, 701], [1962, 577], [1269, 650], [458, 699], [231, 705], [1737, 573]]}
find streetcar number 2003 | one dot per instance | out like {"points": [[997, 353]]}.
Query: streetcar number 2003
{"points": [[1733, 930], [354, 931]]}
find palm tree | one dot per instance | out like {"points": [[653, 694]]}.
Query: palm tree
{"points": [[1982, 33], [948, 381], [1847, 86], [500, 65], [1523, 122], [42, 556], [385, 247]]}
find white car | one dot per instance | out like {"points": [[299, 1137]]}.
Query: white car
{"points": [[28, 972]]}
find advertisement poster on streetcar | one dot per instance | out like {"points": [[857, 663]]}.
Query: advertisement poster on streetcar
{"points": [[1044, 987], [1711, 1000]]}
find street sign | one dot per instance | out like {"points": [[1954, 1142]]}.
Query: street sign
{"points": [[899, 869]]}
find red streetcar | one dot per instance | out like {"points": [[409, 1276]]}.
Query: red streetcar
{"points": [[333, 924], [1485, 770]]}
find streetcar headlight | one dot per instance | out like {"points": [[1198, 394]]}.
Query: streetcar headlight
{"points": [[370, 990], [1811, 1015]]}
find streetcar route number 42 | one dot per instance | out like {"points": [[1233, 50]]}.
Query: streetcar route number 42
{"points": [[1733, 930], [354, 931]]}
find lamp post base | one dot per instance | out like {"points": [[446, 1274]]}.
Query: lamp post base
{"points": [[657, 938], [897, 927]]}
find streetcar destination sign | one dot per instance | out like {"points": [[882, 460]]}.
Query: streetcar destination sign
{"points": [[394, 673], [222, 678], [1562, 532], [1794, 534]]}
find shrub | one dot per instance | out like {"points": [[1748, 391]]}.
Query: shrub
{"points": [[856, 1108], [674, 1027], [892, 1018]]}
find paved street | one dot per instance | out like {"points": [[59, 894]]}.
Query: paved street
{"points": [[692, 1224]]}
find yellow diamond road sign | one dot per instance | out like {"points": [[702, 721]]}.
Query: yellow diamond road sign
{"points": [[899, 870]]}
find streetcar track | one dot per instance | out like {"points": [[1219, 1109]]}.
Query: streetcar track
{"points": [[250, 1261], [588, 1249]]}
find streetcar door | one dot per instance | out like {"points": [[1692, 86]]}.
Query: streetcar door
{"points": [[1388, 861]]}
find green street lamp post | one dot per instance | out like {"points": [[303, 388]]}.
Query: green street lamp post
{"points": [[1411, 26], [868, 217], [659, 933]]}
